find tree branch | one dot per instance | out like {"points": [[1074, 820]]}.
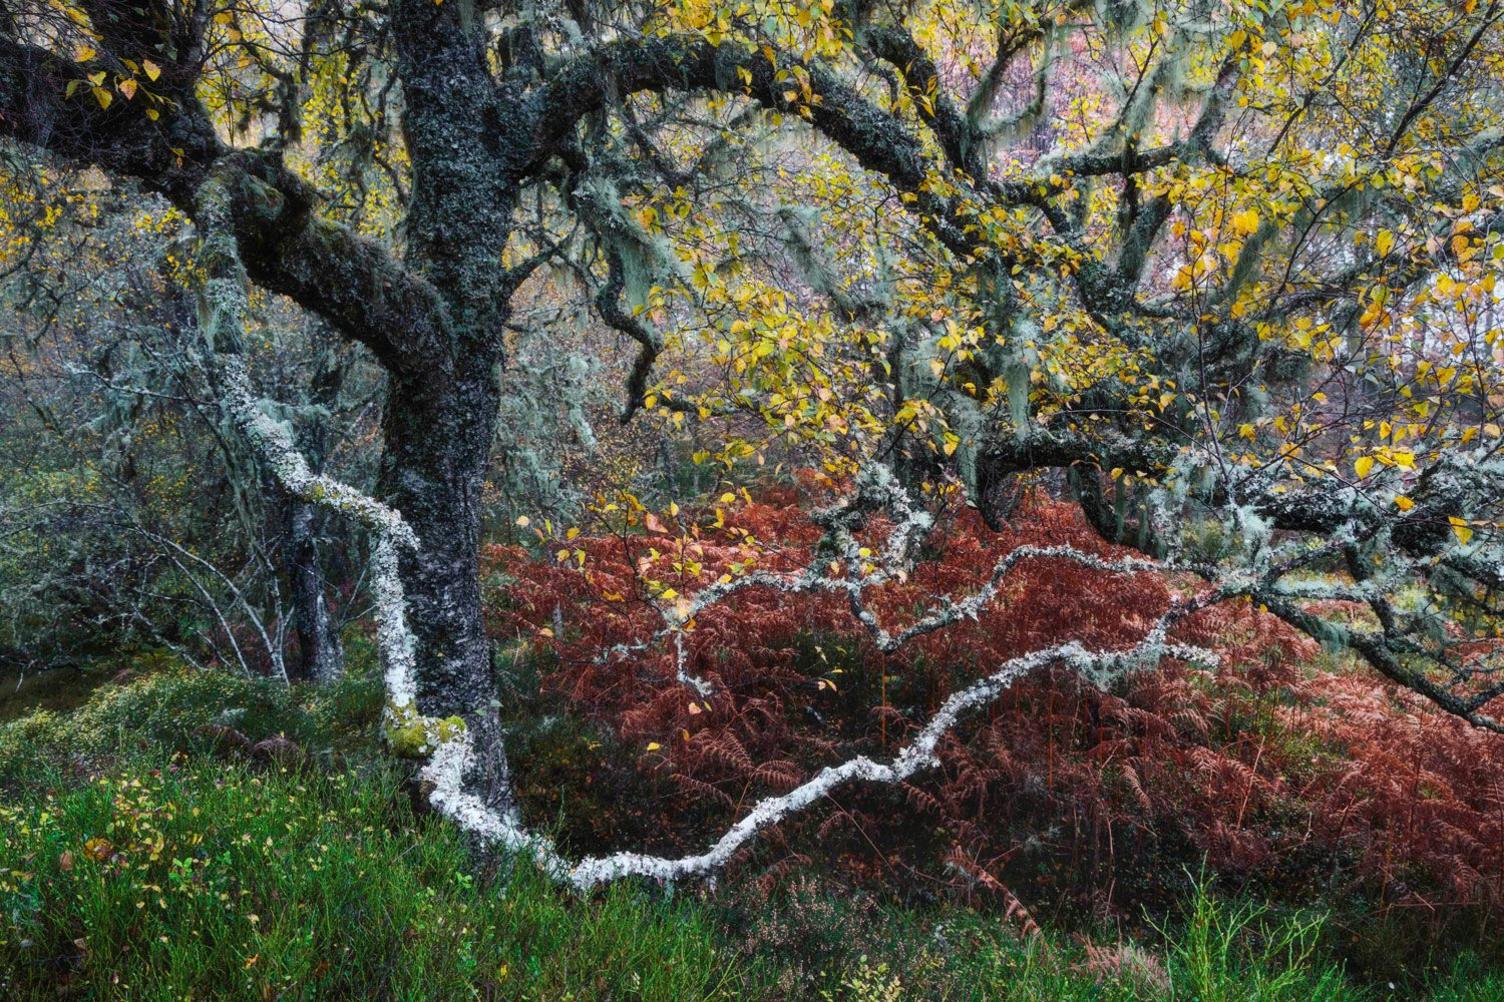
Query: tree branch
{"points": [[286, 248]]}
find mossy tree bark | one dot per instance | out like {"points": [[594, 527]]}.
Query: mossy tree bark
{"points": [[438, 434], [441, 414]]}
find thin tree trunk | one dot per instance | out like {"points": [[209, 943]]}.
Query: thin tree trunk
{"points": [[321, 657], [321, 654]]}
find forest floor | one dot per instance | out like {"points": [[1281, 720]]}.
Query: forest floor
{"points": [[61, 689], [150, 854]]}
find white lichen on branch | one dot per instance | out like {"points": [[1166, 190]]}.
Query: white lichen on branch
{"points": [[223, 309], [447, 767], [448, 745]]}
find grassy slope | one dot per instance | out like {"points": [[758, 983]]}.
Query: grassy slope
{"points": [[140, 861]]}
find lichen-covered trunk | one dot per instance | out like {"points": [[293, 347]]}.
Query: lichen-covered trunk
{"points": [[438, 429], [441, 413]]}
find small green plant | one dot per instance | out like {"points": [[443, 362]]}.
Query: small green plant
{"points": [[1240, 950], [868, 983]]}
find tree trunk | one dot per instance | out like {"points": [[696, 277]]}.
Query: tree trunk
{"points": [[321, 657], [441, 415], [439, 426]]}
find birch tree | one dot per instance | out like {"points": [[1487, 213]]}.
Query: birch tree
{"points": [[1219, 265]]}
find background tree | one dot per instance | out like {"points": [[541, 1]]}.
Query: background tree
{"points": [[134, 515]]}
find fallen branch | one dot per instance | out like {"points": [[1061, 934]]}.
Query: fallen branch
{"points": [[448, 765]]}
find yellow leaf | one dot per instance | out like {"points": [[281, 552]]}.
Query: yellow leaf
{"points": [[653, 746], [1403, 503], [1363, 465], [84, 54], [103, 96], [1383, 243], [127, 87], [1460, 529], [151, 69]]}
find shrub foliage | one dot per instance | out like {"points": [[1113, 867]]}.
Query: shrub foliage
{"points": [[1287, 768]]}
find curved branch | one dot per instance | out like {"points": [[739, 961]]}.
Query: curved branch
{"points": [[875, 138], [286, 248], [450, 763], [1376, 650], [608, 302], [921, 77], [222, 311]]}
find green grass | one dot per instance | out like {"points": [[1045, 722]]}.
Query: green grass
{"points": [[140, 862], [201, 878], [1227, 951]]}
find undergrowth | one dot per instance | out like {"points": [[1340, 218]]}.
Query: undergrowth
{"points": [[1295, 775], [144, 860]]}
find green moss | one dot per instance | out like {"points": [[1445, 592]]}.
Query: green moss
{"points": [[168, 705], [411, 735]]}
